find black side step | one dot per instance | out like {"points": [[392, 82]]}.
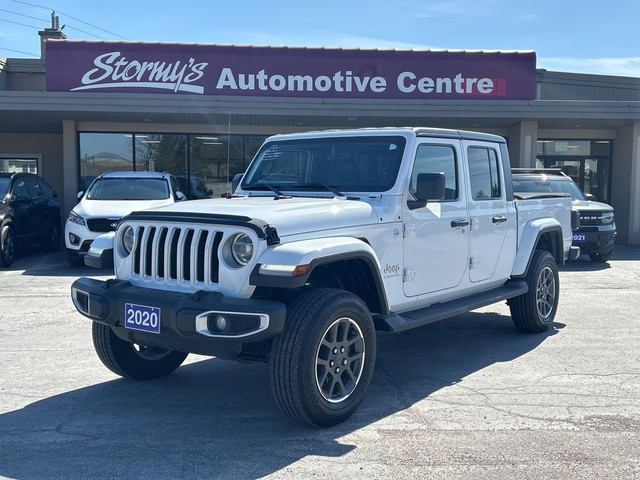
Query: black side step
{"points": [[399, 322]]}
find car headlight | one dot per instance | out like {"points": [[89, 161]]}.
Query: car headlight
{"points": [[242, 248], [127, 241], [607, 218], [75, 218]]}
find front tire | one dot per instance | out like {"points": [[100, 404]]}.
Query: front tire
{"points": [[601, 257], [132, 360], [535, 310], [322, 363], [7, 246], [74, 259]]}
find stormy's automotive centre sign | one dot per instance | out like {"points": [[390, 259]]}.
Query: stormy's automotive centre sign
{"points": [[76, 66]]}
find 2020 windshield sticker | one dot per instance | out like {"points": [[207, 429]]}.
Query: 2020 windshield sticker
{"points": [[114, 70]]}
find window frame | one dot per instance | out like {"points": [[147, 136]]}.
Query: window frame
{"points": [[499, 174], [456, 167]]}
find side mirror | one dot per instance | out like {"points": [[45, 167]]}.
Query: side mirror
{"points": [[80, 194], [237, 178], [429, 187], [590, 197], [180, 196]]}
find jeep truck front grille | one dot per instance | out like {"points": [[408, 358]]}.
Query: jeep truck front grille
{"points": [[181, 254]]}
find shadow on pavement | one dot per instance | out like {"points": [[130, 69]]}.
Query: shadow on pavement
{"points": [[34, 262], [217, 419]]}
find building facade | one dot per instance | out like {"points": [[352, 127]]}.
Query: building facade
{"points": [[202, 111]]}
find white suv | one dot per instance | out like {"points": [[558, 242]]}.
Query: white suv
{"points": [[110, 197]]}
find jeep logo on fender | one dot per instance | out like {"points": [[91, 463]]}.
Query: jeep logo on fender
{"points": [[391, 270], [114, 70]]}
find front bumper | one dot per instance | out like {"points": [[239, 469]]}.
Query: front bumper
{"points": [[78, 237], [595, 241], [187, 321]]}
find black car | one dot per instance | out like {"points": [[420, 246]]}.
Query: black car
{"points": [[29, 212]]}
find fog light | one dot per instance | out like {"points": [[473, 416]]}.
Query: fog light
{"points": [[221, 323], [73, 240]]}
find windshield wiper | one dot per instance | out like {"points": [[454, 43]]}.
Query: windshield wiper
{"points": [[265, 186], [329, 188]]}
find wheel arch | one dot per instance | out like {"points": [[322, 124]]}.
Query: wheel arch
{"points": [[345, 263], [545, 235]]}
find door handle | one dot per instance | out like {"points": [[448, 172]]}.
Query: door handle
{"points": [[499, 219], [459, 223]]}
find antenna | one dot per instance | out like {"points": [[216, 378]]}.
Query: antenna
{"points": [[228, 152]]}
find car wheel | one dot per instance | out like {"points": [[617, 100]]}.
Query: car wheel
{"points": [[74, 259], [51, 241], [322, 363], [7, 246], [535, 310], [132, 360], [601, 257]]}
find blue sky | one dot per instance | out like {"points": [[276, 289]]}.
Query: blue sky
{"points": [[585, 36]]}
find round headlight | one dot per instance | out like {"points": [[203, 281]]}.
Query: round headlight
{"points": [[128, 237], [242, 248]]}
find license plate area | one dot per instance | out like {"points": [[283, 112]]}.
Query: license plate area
{"points": [[142, 317], [579, 237]]}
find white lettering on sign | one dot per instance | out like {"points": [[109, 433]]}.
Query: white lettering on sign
{"points": [[338, 82], [408, 82], [114, 70]]}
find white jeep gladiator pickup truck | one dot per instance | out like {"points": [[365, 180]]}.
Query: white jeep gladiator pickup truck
{"points": [[328, 237]]}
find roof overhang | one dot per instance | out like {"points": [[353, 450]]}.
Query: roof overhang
{"points": [[44, 112]]}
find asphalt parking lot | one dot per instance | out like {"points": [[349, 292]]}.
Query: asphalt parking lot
{"points": [[469, 397]]}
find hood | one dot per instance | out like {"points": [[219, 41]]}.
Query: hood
{"points": [[116, 208], [289, 216], [590, 206]]}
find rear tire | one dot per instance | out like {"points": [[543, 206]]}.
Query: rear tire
{"points": [[322, 363], [535, 310], [51, 241], [7, 246], [132, 360]]}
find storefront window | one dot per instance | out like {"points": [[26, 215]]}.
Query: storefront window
{"points": [[252, 144], [104, 152], [22, 165], [215, 160], [204, 164], [161, 153], [587, 162]]}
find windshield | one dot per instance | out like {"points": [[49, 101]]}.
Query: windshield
{"points": [[128, 189], [4, 186], [546, 184], [352, 164]]}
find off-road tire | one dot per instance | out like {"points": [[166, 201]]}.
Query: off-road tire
{"points": [[133, 361], [322, 363], [7, 246], [535, 310]]}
